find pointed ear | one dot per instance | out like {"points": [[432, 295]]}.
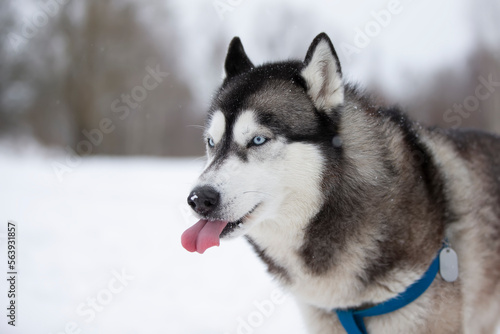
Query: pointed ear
{"points": [[237, 61], [323, 74]]}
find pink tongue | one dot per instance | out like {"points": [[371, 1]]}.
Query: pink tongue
{"points": [[203, 235]]}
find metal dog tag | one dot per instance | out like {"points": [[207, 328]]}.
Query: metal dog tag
{"points": [[448, 264]]}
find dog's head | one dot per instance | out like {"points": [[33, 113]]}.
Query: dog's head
{"points": [[265, 137]]}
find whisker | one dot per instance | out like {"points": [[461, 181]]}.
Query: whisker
{"points": [[258, 192], [199, 158], [196, 159], [196, 126]]}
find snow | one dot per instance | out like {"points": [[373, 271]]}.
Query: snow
{"points": [[123, 217], [109, 233]]}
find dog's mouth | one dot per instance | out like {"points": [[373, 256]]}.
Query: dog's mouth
{"points": [[232, 226], [206, 233]]}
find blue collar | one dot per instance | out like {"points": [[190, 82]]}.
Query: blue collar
{"points": [[352, 320]]}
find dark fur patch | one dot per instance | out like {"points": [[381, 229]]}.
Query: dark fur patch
{"points": [[277, 92], [431, 174], [272, 267], [237, 61], [413, 224]]}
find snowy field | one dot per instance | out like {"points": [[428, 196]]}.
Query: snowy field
{"points": [[99, 252]]}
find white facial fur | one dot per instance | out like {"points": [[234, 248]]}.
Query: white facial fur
{"points": [[215, 131], [246, 128], [277, 176], [217, 126]]}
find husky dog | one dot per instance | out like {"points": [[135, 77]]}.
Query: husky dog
{"points": [[346, 201]]}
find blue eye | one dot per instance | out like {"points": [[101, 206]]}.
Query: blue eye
{"points": [[259, 140], [211, 142]]}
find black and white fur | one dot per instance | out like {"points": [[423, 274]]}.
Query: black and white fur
{"points": [[348, 202]]}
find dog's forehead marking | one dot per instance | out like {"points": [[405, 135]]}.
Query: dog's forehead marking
{"points": [[217, 126], [244, 127]]}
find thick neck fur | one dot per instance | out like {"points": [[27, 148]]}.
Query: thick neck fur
{"points": [[379, 221]]}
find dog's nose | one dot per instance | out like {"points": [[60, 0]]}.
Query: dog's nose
{"points": [[204, 200]]}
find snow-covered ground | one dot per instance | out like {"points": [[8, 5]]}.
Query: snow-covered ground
{"points": [[100, 252]]}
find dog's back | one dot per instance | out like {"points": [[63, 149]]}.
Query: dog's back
{"points": [[471, 164]]}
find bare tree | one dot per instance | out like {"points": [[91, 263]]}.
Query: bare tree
{"points": [[84, 67]]}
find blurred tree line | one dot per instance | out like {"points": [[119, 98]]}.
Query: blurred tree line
{"points": [[462, 100], [93, 61], [92, 71]]}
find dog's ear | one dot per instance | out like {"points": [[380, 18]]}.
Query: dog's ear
{"points": [[323, 74], [237, 61]]}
